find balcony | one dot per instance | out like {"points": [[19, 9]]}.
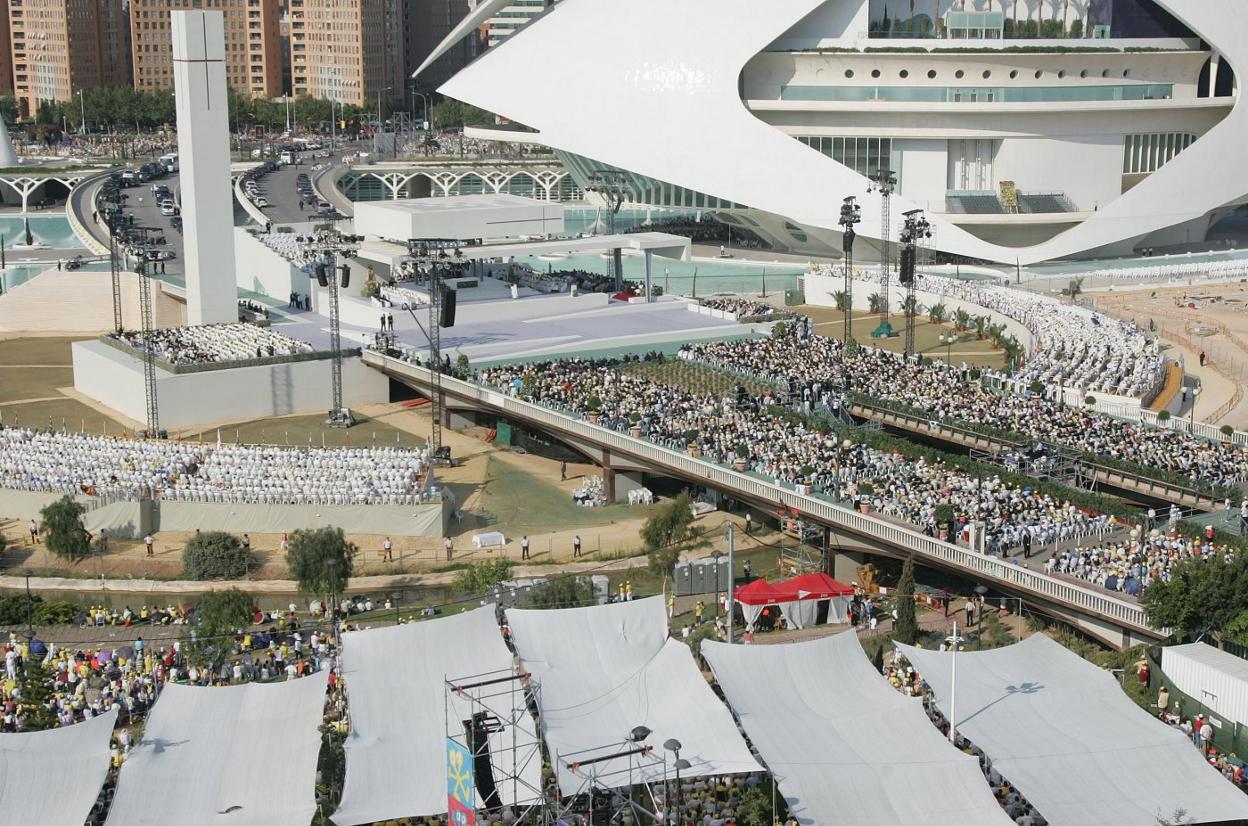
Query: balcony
{"points": [[979, 94]]}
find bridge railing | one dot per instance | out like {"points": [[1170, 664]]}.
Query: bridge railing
{"points": [[971, 562]]}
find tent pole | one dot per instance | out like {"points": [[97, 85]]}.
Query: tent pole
{"points": [[953, 686], [732, 593]]}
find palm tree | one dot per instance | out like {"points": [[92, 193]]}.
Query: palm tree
{"points": [[842, 299], [961, 320], [981, 325], [1075, 289], [936, 313], [875, 303]]}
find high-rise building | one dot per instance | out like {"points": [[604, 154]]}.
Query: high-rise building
{"points": [[350, 51], [252, 43], [61, 46], [428, 24], [514, 16], [6, 56]]}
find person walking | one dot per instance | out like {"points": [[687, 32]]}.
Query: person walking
{"points": [[970, 613], [387, 548], [1026, 544], [524, 547], [246, 543], [749, 523], [34, 528], [576, 546], [563, 471], [149, 544], [698, 610], [449, 544]]}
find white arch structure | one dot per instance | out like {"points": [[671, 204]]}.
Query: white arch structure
{"points": [[494, 179], [665, 104], [25, 185]]}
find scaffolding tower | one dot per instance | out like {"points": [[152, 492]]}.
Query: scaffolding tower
{"points": [[885, 183]]}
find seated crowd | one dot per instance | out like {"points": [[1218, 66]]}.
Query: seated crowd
{"points": [[756, 435], [1131, 565], [1216, 270], [814, 365], [213, 343], [1072, 346], [739, 307], [73, 463]]}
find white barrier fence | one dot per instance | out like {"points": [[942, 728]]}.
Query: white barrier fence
{"points": [[972, 563]]}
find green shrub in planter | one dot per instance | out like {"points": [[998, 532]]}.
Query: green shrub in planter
{"points": [[594, 404], [865, 489], [1036, 387], [1227, 431], [214, 555], [1089, 400], [945, 513], [1163, 416], [743, 452]]}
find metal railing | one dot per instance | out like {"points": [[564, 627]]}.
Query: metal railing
{"points": [[968, 561]]}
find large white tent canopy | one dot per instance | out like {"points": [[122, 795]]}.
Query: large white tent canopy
{"points": [[603, 671], [54, 777], [243, 755], [1064, 733], [844, 746], [400, 712]]}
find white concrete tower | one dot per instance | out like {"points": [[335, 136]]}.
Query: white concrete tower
{"points": [[204, 161]]}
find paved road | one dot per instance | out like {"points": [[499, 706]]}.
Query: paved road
{"points": [[279, 189]]}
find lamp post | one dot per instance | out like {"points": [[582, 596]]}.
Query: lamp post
{"points": [[851, 214], [947, 340], [30, 616], [378, 130], [954, 640], [1191, 427], [674, 745], [82, 107]]}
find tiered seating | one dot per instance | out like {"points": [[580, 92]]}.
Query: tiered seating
{"points": [[214, 343], [973, 203], [285, 244], [72, 463], [1042, 203]]}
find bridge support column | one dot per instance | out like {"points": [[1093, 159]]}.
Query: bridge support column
{"points": [[608, 484], [458, 419]]}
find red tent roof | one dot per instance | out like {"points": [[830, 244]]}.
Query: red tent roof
{"points": [[761, 592], [806, 586]]}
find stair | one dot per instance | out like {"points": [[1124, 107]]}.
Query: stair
{"points": [[80, 302]]}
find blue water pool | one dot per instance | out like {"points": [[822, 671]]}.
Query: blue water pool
{"points": [[52, 230], [690, 278]]}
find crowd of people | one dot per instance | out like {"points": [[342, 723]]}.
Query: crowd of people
{"points": [[213, 343], [740, 307], [816, 368], [71, 463], [705, 231], [1215, 270], [1132, 564], [756, 435], [1072, 346]]}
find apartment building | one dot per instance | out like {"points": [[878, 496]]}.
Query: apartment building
{"points": [[350, 51], [60, 46]]}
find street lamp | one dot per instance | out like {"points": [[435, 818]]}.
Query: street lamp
{"points": [[1191, 427], [82, 107], [947, 340], [673, 745], [30, 616], [954, 641]]}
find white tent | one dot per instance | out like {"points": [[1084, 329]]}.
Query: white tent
{"points": [[247, 751], [603, 671], [396, 681], [1064, 733], [843, 744], [54, 777]]}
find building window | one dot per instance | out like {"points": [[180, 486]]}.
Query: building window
{"points": [[1148, 152]]}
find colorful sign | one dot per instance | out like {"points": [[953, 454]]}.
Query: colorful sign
{"points": [[461, 791]]}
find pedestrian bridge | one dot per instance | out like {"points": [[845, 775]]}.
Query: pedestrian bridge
{"points": [[1115, 621], [543, 180]]}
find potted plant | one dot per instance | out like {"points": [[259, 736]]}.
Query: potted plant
{"points": [[865, 491], [634, 424], [945, 514], [1163, 416], [594, 405], [1227, 431], [1089, 400], [742, 461], [1036, 388]]}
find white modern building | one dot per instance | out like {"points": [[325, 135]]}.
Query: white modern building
{"points": [[1026, 130]]}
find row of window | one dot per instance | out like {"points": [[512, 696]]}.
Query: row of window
{"points": [[932, 74], [866, 156], [1149, 152]]}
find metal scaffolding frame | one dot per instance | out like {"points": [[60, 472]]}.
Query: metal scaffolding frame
{"points": [[149, 352]]}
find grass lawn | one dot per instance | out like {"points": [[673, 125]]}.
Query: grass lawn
{"points": [[295, 431], [72, 414], [17, 383], [37, 350], [524, 503], [693, 377], [829, 322]]}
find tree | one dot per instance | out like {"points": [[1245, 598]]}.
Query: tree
{"points": [[215, 555], [1202, 596], [563, 592], [448, 114], [842, 299], [36, 694], [482, 576], [217, 617], [906, 629], [63, 531], [961, 320], [1075, 288], [875, 303], [321, 561], [937, 313], [756, 802]]}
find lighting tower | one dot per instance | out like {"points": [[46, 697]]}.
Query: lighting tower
{"points": [[318, 253], [884, 182], [149, 350], [439, 258], [851, 214], [915, 229], [613, 186]]}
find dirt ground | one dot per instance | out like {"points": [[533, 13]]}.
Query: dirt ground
{"points": [[829, 322], [1212, 319]]}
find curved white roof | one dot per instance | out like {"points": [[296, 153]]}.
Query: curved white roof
{"points": [[651, 86]]}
